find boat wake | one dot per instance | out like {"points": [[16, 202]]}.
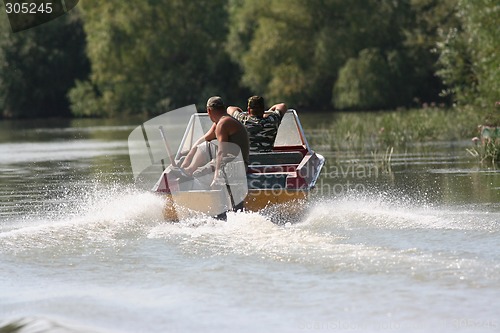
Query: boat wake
{"points": [[117, 252], [104, 215], [387, 211], [374, 233], [111, 213]]}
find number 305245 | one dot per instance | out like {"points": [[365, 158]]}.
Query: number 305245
{"points": [[28, 8]]}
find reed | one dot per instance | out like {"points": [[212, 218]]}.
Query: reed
{"points": [[487, 149], [486, 154], [383, 160], [487, 144], [381, 134], [402, 128]]}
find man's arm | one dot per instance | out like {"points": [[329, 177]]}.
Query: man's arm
{"points": [[280, 107], [222, 134], [209, 136], [232, 109]]}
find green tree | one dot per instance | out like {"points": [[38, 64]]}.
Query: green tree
{"points": [[153, 56], [286, 48], [295, 49], [470, 55], [400, 71], [38, 66], [366, 82], [428, 19], [298, 50]]}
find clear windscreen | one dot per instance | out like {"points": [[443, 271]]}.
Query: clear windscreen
{"points": [[289, 131], [198, 125], [153, 144]]}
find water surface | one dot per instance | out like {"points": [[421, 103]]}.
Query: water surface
{"points": [[412, 249]]}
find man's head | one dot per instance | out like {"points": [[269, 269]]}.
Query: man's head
{"points": [[215, 107], [215, 103], [256, 106]]}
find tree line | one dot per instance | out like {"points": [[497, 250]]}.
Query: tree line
{"points": [[109, 58]]}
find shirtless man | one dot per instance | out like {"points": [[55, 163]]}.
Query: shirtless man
{"points": [[230, 133]]}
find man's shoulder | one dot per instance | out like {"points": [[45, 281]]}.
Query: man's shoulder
{"points": [[230, 121], [274, 117]]}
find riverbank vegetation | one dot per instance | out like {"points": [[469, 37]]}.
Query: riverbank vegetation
{"points": [[366, 132], [108, 58], [380, 134]]}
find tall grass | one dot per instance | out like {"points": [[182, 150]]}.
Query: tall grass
{"points": [[382, 133], [399, 129]]}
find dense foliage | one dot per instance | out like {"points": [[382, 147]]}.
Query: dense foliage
{"points": [[39, 66], [470, 54], [298, 50], [323, 54], [154, 56]]}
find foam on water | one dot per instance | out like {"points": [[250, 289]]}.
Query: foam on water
{"points": [[384, 211], [353, 241], [356, 234], [103, 215], [349, 233]]}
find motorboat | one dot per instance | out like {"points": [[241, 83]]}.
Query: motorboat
{"points": [[285, 175]]}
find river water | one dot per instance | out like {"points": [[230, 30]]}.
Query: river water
{"points": [[410, 248]]}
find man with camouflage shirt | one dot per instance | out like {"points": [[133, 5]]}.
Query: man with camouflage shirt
{"points": [[262, 127]]}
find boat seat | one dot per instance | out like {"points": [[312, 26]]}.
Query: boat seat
{"points": [[273, 158], [266, 181]]}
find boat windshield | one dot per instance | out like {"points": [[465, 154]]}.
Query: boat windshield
{"points": [[290, 132], [198, 125], [152, 144]]}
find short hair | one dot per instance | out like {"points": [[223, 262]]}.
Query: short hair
{"points": [[215, 102], [256, 103]]}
